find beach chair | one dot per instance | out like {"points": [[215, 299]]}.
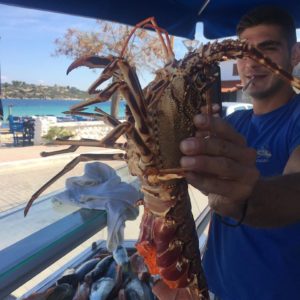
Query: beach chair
{"points": [[16, 127]]}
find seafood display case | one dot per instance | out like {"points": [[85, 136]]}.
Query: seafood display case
{"points": [[52, 231]]}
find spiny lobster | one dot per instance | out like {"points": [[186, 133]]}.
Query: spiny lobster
{"points": [[159, 117]]}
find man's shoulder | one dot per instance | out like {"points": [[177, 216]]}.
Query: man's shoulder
{"points": [[297, 101], [294, 107]]}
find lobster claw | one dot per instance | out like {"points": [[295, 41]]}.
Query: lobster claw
{"points": [[91, 62]]}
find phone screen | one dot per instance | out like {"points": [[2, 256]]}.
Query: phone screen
{"points": [[213, 78]]}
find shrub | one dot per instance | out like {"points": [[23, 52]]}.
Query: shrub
{"points": [[58, 133]]}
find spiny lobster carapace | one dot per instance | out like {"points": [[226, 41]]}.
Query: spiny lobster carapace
{"points": [[159, 117]]}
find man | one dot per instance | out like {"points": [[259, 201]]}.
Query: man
{"points": [[249, 167]]}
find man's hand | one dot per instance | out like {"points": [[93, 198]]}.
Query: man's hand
{"points": [[220, 165]]}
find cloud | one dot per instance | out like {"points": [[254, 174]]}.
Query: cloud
{"points": [[14, 19], [41, 81]]}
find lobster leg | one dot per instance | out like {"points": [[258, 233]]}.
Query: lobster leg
{"points": [[230, 49], [101, 97], [91, 62], [131, 90], [71, 165], [109, 141], [150, 22], [140, 122], [76, 144], [101, 115], [86, 143], [156, 92], [95, 62], [110, 119], [71, 149]]}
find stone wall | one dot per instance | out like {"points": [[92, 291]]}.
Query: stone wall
{"points": [[81, 129]]}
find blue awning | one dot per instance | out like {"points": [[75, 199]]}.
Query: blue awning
{"points": [[178, 17]]}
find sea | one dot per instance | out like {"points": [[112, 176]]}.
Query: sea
{"points": [[53, 107]]}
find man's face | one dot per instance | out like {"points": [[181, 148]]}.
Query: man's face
{"points": [[268, 39]]}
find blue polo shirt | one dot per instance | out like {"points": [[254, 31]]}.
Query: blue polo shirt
{"points": [[246, 263]]}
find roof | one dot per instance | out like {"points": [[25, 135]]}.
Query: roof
{"points": [[178, 17], [228, 86]]}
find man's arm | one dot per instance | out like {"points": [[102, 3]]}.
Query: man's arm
{"points": [[223, 167], [275, 202], [282, 205]]}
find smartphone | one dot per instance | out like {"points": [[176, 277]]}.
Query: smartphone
{"points": [[214, 92]]}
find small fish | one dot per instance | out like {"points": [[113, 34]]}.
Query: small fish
{"points": [[148, 291], [86, 267], [82, 292], [69, 276], [62, 292], [111, 270], [75, 276], [40, 295], [137, 266], [101, 288], [138, 290], [132, 295], [136, 285], [100, 269], [121, 256]]}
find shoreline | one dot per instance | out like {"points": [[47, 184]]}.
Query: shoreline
{"points": [[49, 107]]}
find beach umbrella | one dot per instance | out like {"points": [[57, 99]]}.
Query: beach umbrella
{"points": [[178, 17]]}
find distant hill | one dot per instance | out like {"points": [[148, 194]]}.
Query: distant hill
{"points": [[23, 90]]}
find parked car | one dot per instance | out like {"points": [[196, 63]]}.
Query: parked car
{"points": [[230, 107]]}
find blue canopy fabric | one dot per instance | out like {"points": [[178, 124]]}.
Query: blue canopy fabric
{"points": [[178, 17]]}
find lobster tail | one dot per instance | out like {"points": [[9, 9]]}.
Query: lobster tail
{"points": [[170, 246]]}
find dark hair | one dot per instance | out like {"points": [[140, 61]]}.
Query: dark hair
{"points": [[270, 15]]}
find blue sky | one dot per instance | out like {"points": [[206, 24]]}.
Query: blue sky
{"points": [[27, 47]]}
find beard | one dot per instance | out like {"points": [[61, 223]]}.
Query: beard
{"points": [[267, 92]]}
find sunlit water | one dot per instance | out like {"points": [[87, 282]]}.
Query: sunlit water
{"points": [[55, 107]]}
